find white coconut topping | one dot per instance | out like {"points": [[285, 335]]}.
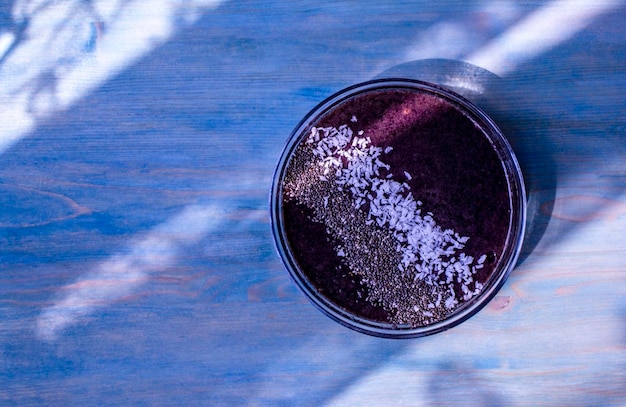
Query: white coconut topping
{"points": [[427, 250]]}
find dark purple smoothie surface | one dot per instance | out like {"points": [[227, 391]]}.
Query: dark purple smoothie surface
{"points": [[439, 164]]}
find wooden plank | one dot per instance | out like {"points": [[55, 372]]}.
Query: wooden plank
{"points": [[138, 266]]}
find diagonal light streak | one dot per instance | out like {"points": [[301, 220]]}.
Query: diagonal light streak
{"points": [[539, 32], [68, 48], [122, 274]]}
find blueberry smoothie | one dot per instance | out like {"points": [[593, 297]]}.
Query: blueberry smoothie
{"points": [[396, 207]]}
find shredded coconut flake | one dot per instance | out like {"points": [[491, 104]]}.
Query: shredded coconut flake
{"points": [[426, 249]]}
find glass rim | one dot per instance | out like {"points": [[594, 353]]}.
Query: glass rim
{"points": [[517, 218]]}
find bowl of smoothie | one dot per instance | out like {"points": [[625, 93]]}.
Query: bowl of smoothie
{"points": [[398, 208]]}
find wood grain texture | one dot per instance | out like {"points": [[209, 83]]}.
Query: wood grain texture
{"points": [[138, 266]]}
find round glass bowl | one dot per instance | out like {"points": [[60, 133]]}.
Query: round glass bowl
{"points": [[398, 208]]}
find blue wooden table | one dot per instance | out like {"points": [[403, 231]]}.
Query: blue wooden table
{"points": [[137, 146]]}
